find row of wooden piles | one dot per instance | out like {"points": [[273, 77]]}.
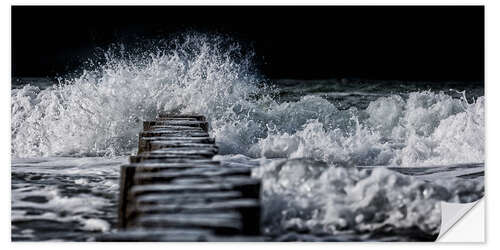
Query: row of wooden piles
{"points": [[173, 190]]}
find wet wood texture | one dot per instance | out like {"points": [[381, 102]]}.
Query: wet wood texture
{"points": [[172, 190]]}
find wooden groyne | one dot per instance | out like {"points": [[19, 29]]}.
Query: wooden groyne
{"points": [[173, 190]]}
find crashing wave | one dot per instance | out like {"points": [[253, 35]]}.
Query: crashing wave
{"points": [[99, 112]]}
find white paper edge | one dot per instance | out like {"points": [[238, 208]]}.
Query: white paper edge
{"points": [[462, 222]]}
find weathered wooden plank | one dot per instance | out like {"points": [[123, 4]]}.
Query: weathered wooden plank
{"points": [[183, 152], [169, 176], [174, 133], [184, 116], [198, 207], [181, 116], [147, 158], [184, 123], [182, 198], [166, 155], [180, 163], [174, 128], [248, 209], [180, 144], [153, 143], [249, 188], [221, 223], [147, 125], [177, 119], [186, 139], [158, 235], [169, 173]]}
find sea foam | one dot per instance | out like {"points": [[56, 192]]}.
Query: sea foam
{"points": [[309, 196], [99, 112], [308, 147]]}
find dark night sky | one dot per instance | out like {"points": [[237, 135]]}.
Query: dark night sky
{"points": [[405, 43]]}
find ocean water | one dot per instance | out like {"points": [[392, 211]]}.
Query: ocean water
{"points": [[325, 149]]}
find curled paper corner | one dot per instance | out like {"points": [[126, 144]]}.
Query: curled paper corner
{"points": [[455, 220]]}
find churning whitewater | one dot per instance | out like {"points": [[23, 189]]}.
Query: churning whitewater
{"points": [[99, 113], [307, 144]]}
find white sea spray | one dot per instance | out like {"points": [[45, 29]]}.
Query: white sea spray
{"points": [[307, 147], [426, 129], [100, 112]]}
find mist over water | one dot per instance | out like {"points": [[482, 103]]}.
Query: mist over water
{"points": [[308, 134]]}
